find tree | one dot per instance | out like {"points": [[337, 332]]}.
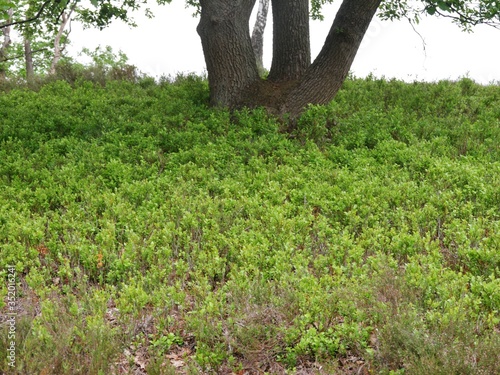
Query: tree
{"points": [[6, 43], [58, 49], [258, 34], [294, 81]]}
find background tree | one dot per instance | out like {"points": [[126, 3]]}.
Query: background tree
{"points": [[258, 34], [60, 39], [41, 29], [6, 43], [32, 36]]}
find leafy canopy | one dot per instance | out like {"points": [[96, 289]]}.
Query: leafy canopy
{"points": [[98, 13], [465, 13], [101, 13]]}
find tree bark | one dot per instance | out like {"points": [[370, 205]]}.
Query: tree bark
{"points": [[28, 58], [291, 41], [227, 46], [325, 76], [258, 34]]}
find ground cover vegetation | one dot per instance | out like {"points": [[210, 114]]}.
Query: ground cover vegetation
{"points": [[154, 234]]}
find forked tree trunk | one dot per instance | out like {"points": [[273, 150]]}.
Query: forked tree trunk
{"points": [[258, 34], [293, 82], [227, 46], [291, 44], [57, 40], [325, 76]]}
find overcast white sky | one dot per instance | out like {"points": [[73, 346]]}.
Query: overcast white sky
{"points": [[169, 44]]}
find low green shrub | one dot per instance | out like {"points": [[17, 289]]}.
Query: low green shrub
{"points": [[151, 232]]}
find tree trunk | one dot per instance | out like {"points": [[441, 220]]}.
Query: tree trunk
{"points": [[5, 46], [28, 58], [227, 46], [291, 44], [57, 41], [258, 34], [326, 75]]}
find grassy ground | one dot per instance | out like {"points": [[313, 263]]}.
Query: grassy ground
{"points": [[151, 234]]}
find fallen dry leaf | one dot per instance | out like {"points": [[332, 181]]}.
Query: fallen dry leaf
{"points": [[177, 363], [139, 362]]}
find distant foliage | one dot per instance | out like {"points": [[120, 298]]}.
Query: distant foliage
{"points": [[104, 65]]}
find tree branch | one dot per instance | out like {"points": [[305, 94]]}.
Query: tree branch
{"points": [[463, 19], [424, 45], [34, 18], [22, 55]]}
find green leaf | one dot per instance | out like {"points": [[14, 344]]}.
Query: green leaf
{"points": [[5, 6], [431, 10], [94, 2], [443, 6]]}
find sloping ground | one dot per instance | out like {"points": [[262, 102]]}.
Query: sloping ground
{"points": [[150, 234]]}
